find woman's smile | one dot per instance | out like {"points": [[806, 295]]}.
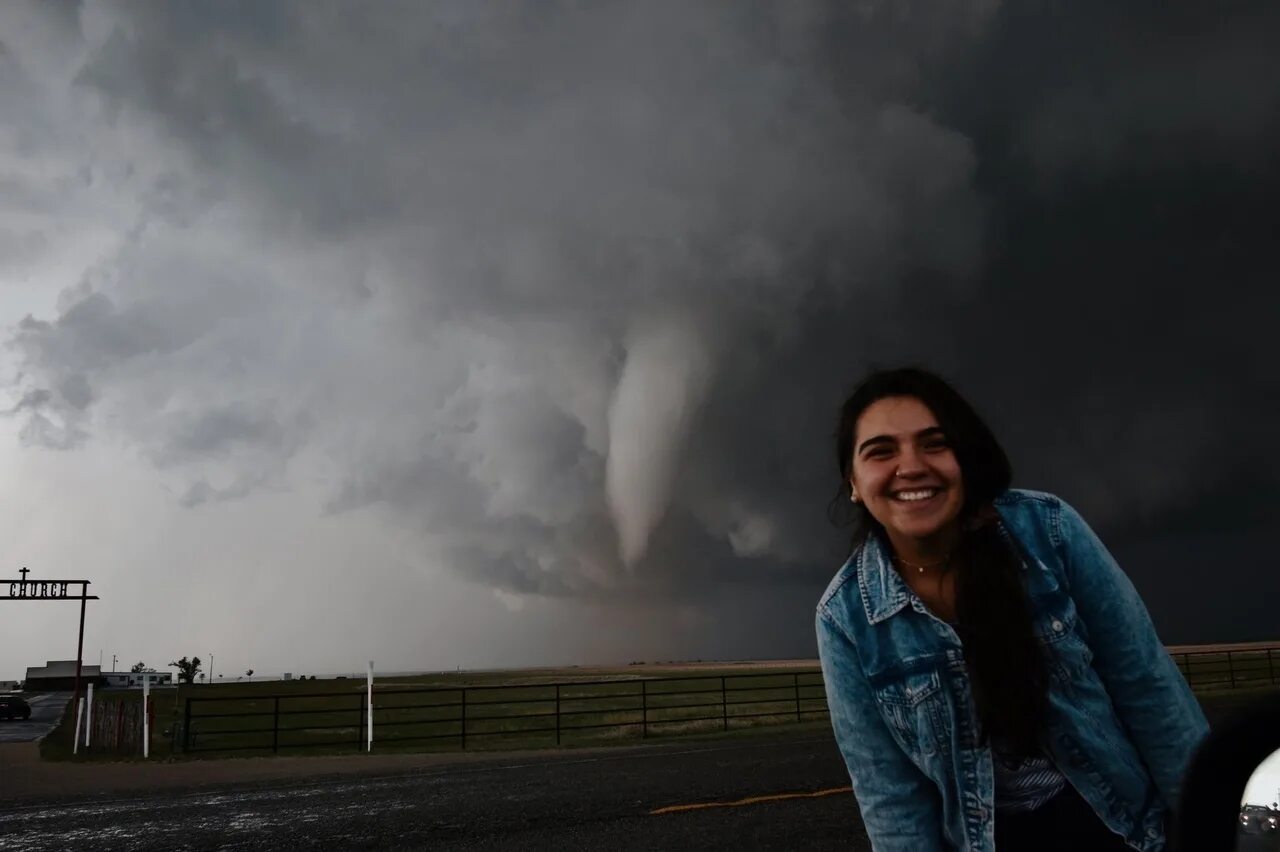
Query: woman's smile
{"points": [[907, 474], [916, 498]]}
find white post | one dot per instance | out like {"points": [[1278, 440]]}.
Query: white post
{"points": [[369, 715], [146, 727], [75, 746], [88, 715]]}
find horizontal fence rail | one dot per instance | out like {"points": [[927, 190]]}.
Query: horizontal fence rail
{"points": [[529, 715], [462, 716], [1235, 667]]}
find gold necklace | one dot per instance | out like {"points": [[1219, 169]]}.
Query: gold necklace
{"points": [[921, 568]]}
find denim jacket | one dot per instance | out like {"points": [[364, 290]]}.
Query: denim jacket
{"points": [[1122, 722]]}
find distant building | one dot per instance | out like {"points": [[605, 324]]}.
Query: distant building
{"points": [[56, 675], [125, 680], [9, 685]]}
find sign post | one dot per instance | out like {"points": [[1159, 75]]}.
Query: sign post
{"points": [[369, 716], [23, 589], [75, 744]]}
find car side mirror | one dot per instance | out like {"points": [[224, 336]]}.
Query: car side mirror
{"points": [[1210, 816]]}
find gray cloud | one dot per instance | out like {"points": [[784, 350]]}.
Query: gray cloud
{"points": [[599, 200], [573, 296]]}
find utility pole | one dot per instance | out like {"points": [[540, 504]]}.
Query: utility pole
{"points": [[113, 662], [210, 667]]}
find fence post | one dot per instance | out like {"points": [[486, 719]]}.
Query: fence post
{"points": [[1231, 670], [795, 676], [186, 725], [173, 728], [88, 719], [644, 709], [1271, 665], [369, 745], [275, 726], [557, 714], [151, 723], [146, 728], [724, 704], [464, 718]]}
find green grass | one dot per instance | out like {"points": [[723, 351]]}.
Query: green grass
{"points": [[517, 710], [504, 711]]}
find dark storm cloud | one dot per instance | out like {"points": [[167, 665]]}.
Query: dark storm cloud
{"points": [[1130, 259], [215, 431], [640, 203], [1117, 337], [576, 293]]}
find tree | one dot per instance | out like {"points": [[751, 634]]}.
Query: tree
{"points": [[187, 669], [140, 668]]}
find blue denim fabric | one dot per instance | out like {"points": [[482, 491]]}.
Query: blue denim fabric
{"points": [[1122, 721]]}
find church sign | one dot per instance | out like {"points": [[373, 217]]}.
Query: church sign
{"points": [[23, 589]]}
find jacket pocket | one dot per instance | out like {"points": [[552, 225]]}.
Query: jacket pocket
{"points": [[1069, 655], [914, 706]]}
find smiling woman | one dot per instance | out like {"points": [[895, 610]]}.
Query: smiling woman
{"points": [[993, 677], [910, 478]]}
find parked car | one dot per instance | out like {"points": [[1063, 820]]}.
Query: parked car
{"points": [[14, 707], [1258, 819]]}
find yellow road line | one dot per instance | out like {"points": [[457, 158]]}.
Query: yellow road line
{"points": [[671, 809]]}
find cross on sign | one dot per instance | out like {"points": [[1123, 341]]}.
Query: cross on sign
{"points": [[24, 572]]}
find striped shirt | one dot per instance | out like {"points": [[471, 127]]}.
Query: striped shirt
{"points": [[1025, 785]]}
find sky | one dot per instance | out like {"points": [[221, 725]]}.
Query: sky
{"points": [[494, 335]]}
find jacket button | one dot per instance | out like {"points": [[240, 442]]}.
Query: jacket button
{"points": [[1057, 626]]}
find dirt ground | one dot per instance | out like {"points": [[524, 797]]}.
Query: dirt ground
{"points": [[24, 776]]}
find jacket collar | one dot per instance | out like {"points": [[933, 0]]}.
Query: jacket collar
{"points": [[883, 592]]}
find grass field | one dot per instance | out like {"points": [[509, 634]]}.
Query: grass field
{"points": [[503, 710], [506, 710], [531, 708]]}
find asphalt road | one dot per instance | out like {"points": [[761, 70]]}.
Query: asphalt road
{"points": [[787, 791], [46, 710], [553, 802]]}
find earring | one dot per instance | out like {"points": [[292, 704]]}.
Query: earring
{"points": [[853, 496]]}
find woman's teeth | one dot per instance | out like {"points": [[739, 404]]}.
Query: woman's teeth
{"points": [[911, 496]]}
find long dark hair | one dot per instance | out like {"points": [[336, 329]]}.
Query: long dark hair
{"points": [[1007, 666]]}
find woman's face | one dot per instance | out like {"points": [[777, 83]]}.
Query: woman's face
{"points": [[905, 472]]}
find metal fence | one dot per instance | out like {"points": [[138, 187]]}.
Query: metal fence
{"points": [[1230, 666], [459, 717], [574, 712]]}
